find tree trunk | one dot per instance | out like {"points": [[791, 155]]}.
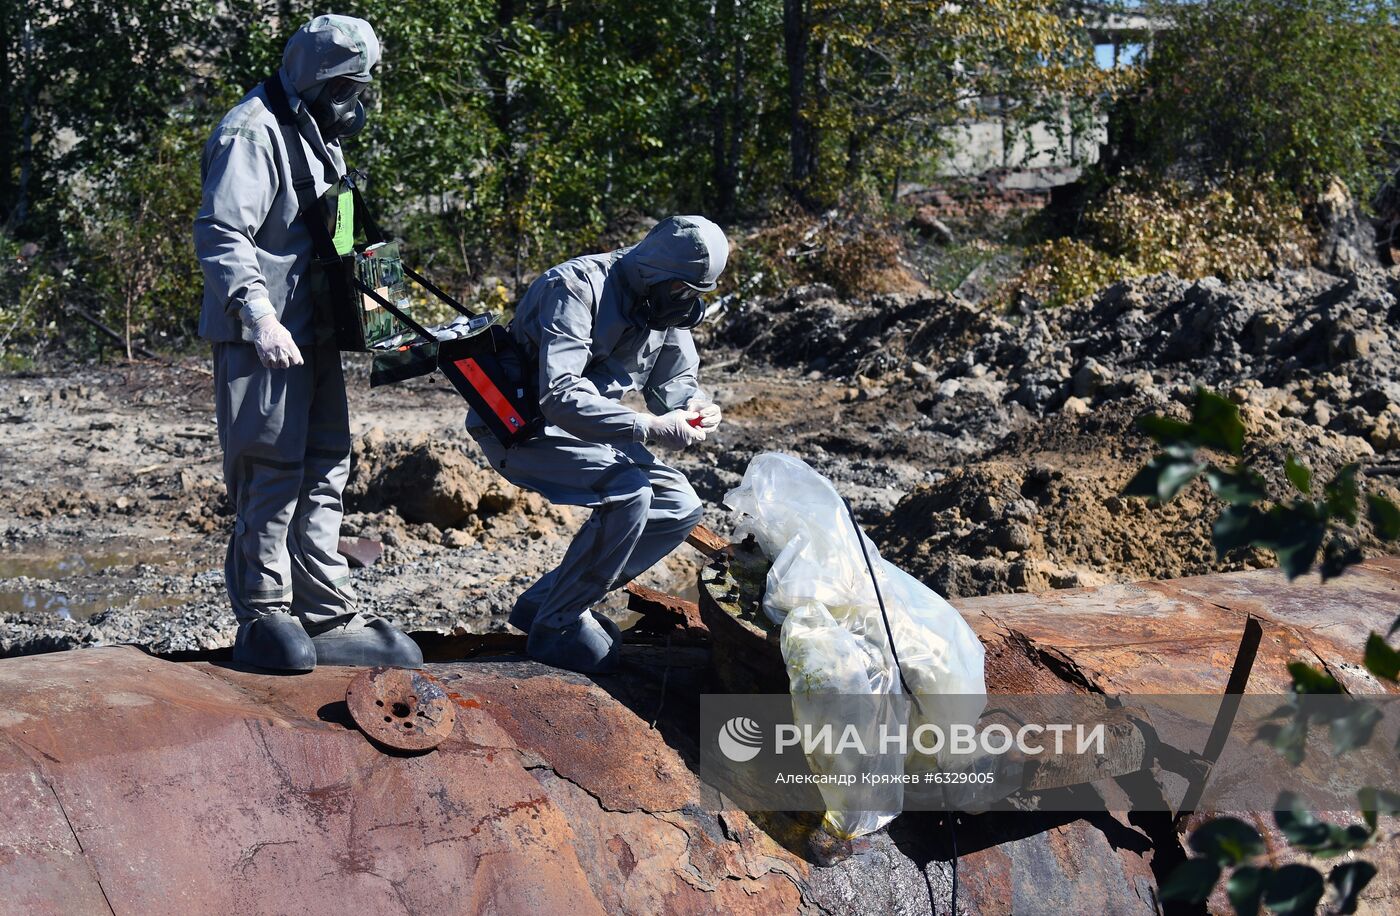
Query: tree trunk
{"points": [[855, 149], [8, 131], [19, 210], [126, 337], [801, 136], [736, 121], [503, 117], [724, 123]]}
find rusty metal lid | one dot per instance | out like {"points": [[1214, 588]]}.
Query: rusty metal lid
{"points": [[403, 709]]}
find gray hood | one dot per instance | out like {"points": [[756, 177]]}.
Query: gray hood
{"points": [[327, 47], [687, 248]]}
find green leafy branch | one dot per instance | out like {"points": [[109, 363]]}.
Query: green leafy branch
{"points": [[1296, 531], [1230, 843], [1350, 725]]}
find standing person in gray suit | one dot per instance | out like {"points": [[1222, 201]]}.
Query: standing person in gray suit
{"points": [[279, 389]]}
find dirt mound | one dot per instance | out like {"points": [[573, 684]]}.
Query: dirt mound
{"points": [[1303, 343], [427, 481], [1023, 423], [811, 328], [1044, 511]]}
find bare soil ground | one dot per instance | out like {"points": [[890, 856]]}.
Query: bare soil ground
{"points": [[113, 518], [984, 451]]}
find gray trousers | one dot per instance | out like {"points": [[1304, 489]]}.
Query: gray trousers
{"points": [[642, 510], [286, 440]]}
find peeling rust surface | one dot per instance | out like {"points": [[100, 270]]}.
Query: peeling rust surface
{"points": [[168, 787], [706, 541], [1324, 623], [1118, 638], [1174, 637], [585, 736], [42, 866], [1180, 636]]}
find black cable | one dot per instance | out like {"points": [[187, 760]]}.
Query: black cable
{"points": [[884, 615], [899, 669], [953, 838], [665, 679]]}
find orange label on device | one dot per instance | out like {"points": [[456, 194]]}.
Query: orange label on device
{"points": [[479, 380]]}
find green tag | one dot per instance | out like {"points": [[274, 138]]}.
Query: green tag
{"points": [[344, 238]]}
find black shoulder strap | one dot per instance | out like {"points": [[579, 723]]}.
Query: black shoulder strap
{"points": [[364, 219], [301, 170], [302, 183]]}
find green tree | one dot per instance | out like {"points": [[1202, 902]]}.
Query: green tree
{"points": [[85, 85], [504, 135], [1297, 89], [133, 244]]}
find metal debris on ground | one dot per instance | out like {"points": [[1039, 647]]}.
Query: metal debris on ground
{"points": [[407, 710], [664, 615], [360, 552], [706, 541]]}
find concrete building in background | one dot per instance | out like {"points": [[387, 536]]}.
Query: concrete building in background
{"points": [[1050, 152]]}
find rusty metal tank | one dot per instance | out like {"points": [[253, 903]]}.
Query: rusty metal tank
{"points": [[135, 784]]}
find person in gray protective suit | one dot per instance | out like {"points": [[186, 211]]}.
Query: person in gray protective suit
{"points": [[601, 326], [279, 389]]}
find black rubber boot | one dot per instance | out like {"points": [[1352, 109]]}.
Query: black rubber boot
{"points": [[274, 642], [378, 642], [588, 643], [522, 614]]}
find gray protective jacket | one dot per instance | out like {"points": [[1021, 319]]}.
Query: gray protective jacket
{"points": [[593, 348], [248, 240]]}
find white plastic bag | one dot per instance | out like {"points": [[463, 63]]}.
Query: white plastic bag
{"points": [[833, 637]]}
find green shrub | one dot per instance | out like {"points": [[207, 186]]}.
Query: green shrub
{"points": [[1236, 229], [30, 293], [131, 232], [856, 255], [1063, 270]]}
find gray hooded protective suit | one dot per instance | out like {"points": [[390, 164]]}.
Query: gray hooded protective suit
{"points": [[581, 320], [285, 432], [246, 235]]}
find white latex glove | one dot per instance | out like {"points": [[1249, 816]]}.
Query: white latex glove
{"points": [[673, 429], [709, 412], [274, 344]]}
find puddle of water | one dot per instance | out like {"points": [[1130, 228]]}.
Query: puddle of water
{"points": [[80, 608], [61, 562]]}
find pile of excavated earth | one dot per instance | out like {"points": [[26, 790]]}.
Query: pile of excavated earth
{"points": [[1028, 420], [985, 451]]}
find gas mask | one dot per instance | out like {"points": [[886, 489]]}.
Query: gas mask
{"points": [[337, 109], [663, 307]]}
